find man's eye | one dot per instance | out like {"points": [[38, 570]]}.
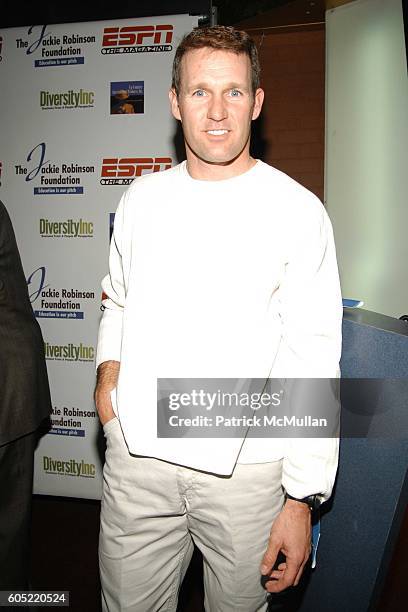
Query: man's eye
{"points": [[235, 93], [199, 93]]}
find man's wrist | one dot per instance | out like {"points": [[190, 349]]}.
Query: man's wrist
{"points": [[297, 507], [312, 502]]}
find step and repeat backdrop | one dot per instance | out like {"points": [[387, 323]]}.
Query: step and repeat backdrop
{"points": [[83, 111]]}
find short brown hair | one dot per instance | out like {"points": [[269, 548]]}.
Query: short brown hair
{"points": [[224, 38]]}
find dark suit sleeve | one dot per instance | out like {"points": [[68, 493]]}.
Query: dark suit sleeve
{"points": [[24, 391]]}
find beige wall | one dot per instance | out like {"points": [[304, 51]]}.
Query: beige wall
{"points": [[366, 149]]}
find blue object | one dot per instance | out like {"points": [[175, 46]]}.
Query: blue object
{"points": [[348, 303]]}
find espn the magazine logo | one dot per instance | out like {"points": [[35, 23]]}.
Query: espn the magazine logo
{"points": [[137, 39], [122, 171]]}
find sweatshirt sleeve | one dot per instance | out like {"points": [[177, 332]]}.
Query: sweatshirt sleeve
{"points": [[114, 295], [310, 308]]}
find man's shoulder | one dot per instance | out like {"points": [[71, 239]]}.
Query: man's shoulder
{"points": [[283, 188], [154, 180], [282, 180]]}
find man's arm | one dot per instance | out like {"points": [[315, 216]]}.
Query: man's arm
{"points": [[106, 381], [311, 313], [110, 329]]}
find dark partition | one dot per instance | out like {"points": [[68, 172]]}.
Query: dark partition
{"points": [[361, 523]]}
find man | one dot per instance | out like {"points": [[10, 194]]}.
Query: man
{"points": [[219, 267], [24, 403]]}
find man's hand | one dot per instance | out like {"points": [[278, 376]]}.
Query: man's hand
{"points": [[290, 533], [107, 379]]}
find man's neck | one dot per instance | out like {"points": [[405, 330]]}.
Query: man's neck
{"points": [[204, 171]]}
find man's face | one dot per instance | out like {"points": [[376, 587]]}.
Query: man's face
{"points": [[216, 106]]}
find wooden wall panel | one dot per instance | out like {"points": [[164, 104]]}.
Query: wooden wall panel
{"points": [[290, 132]]}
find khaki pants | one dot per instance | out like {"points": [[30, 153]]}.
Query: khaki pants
{"points": [[151, 513]]}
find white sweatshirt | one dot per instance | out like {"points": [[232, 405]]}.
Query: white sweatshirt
{"points": [[221, 279]]}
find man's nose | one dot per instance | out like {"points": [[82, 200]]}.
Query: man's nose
{"points": [[217, 108]]}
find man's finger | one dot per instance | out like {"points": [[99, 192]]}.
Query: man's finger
{"points": [[302, 567], [276, 575], [269, 558], [288, 577], [299, 574]]}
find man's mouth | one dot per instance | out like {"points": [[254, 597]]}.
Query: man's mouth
{"points": [[217, 132]]}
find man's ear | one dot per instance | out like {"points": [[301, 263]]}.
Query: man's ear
{"points": [[174, 104], [258, 101]]}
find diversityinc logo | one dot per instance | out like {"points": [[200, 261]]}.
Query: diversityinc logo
{"points": [[137, 39], [69, 467], [70, 228], [122, 171], [69, 352], [66, 99]]}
